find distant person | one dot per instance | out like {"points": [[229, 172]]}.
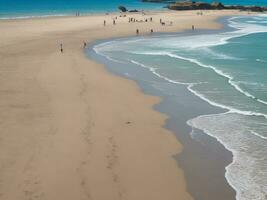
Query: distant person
{"points": [[160, 21], [193, 27], [61, 48], [151, 31], [114, 22], [104, 22], [151, 19], [137, 31], [84, 44]]}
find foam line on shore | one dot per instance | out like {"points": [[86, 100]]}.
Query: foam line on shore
{"points": [[219, 72], [201, 96]]}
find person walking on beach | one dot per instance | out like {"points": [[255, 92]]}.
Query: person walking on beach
{"points": [[114, 22], [61, 48], [104, 22], [137, 31], [84, 45], [151, 31], [193, 27]]}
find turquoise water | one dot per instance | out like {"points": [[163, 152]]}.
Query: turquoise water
{"points": [[31, 8], [228, 70]]}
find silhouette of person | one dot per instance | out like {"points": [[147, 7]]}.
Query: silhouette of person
{"points": [[61, 48]]}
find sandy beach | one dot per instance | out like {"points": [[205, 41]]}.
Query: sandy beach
{"points": [[71, 130]]}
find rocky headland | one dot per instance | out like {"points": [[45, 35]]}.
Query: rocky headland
{"points": [[193, 5]]}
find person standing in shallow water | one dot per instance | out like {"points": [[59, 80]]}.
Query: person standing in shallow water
{"points": [[193, 27]]}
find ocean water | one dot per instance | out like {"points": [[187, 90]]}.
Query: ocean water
{"points": [[227, 70], [34, 8], [37, 8]]}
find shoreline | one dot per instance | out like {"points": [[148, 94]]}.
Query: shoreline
{"points": [[50, 83], [204, 144], [83, 13]]}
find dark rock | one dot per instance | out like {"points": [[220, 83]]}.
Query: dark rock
{"points": [[188, 5], [192, 5], [133, 10], [122, 9], [217, 5]]}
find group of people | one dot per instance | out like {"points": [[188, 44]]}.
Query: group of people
{"points": [[131, 19], [165, 23]]}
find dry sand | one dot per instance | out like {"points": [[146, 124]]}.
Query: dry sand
{"points": [[70, 130]]}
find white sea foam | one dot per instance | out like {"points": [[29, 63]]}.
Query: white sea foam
{"points": [[153, 70], [97, 49], [201, 96], [219, 72], [259, 135], [247, 171], [33, 16], [260, 60]]}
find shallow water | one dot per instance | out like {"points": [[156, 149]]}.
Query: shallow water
{"points": [[228, 70], [43, 8], [34, 8]]}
